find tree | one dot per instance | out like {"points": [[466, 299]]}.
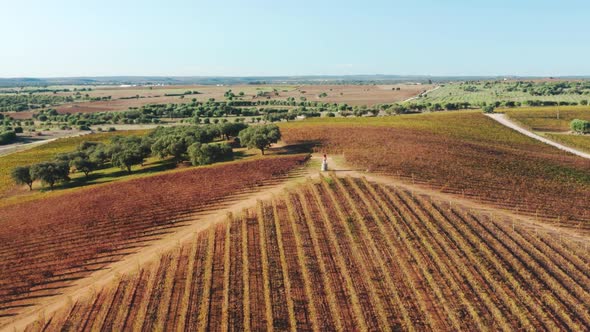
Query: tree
{"points": [[229, 129], [22, 175], [84, 164], [50, 172], [128, 151], [127, 157], [488, 109], [260, 137], [7, 137], [204, 154], [172, 145]]}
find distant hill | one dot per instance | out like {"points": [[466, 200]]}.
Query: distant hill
{"points": [[212, 80]]}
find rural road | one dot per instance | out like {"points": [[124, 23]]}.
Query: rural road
{"points": [[504, 120], [13, 148], [423, 93]]}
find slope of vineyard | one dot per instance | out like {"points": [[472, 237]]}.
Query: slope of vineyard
{"points": [[48, 245], [463, 153], [348, 254]]}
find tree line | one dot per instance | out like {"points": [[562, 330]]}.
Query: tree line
{"points": [[201, 145]]}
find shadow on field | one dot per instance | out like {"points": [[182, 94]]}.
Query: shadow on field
{"points": [[94, 178], [302, 147]]}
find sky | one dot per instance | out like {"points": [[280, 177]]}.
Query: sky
{"points": [[61, 38]]}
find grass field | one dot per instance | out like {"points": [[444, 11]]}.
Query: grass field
{"points": [[456, 93], [545, 118], [347, 254], [47, 152], [460, 152], [48, 244]]}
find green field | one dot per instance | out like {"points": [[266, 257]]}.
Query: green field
{"points": [[47, 152], [492, 92]]}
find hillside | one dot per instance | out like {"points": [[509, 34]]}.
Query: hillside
{"points": [[464, 153], [51, 244], [348, 254]]}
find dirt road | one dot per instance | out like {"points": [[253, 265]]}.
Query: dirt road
{"points": [[422, 94], [504, 120], [16, 147]]}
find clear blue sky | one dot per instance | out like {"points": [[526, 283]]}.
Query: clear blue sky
{"points": [[238, 38]]}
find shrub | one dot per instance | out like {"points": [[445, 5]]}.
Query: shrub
{"points": [[580, 126], [7, 137], [488, 109]]}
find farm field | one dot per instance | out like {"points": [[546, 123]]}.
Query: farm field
{"points": [[347, 254], [581, 142], [349, 94], [477, 93], [545, 119], [464, 153], [49, 244]]}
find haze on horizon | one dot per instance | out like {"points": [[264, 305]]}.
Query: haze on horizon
{"points": [[264, 38]]}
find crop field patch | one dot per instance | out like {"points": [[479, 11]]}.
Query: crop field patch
{"points": [[549, 119], [464, 153], [49, 244], [354, 255]]}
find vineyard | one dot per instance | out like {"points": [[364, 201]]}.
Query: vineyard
{"points": [[581, 142], [463, 153], [348, 254], [549, 119], [48, 245]]}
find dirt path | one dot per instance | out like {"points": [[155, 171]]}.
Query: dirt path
{"points": [[504, 120], [422, 94], [336, 164]]}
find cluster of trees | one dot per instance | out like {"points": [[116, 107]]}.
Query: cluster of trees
{"points": [[7, 135], [192, 143], [25, 102], [580, 126], [193, 112], [47, 172], [39, 90], [8, 129], [532, 88], [88, 157]]}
